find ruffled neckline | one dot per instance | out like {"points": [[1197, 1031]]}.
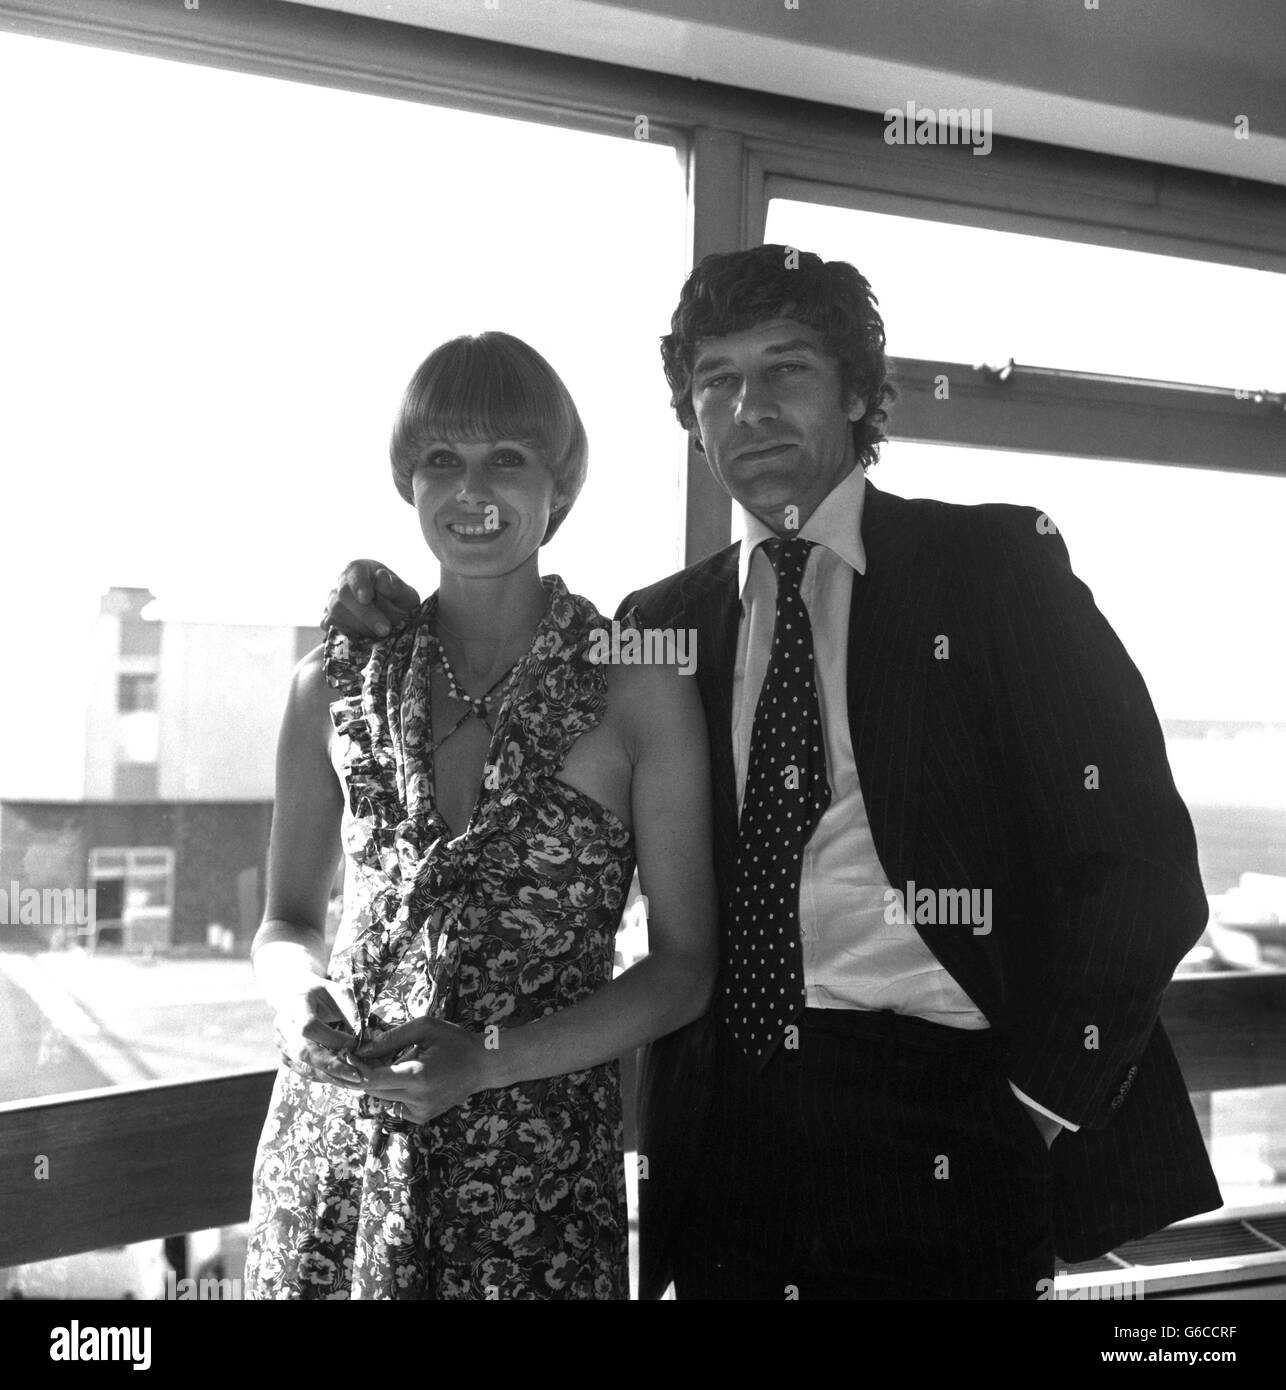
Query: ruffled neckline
{"points": [[383, 708]]}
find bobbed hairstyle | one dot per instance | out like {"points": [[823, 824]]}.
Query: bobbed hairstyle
{"points": [[732, 291], [491, 386]]}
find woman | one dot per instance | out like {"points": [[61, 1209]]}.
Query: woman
{"points": [[447, 1124]]}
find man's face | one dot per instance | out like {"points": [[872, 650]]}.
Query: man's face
{"points": [[770, 415]]}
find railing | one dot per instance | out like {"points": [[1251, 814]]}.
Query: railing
{"points": [[111, 1167], [103, 1168]]}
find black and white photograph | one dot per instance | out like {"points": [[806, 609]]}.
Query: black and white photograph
{"points": [[645, 665]]}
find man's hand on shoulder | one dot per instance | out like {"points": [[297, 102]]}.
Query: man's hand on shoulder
{"points": [[369, 601]]}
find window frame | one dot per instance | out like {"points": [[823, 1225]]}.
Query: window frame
{"points": [[739, 149]]}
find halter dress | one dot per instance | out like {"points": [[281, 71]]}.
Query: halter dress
{"points": [[520, 1191]]}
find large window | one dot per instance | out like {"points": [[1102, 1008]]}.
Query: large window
{"points": [[972, 294], [216, 286], [1182, 561]]}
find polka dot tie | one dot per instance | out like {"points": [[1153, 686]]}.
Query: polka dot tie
{"points": [[786, 793]]}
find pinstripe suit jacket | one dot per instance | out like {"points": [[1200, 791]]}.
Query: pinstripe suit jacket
{"points": [[1020, 754]]}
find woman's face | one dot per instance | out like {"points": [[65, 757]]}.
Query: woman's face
{"points": [[484, 507]]}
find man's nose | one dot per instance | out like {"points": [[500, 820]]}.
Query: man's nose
{"points": [[755, 403]]}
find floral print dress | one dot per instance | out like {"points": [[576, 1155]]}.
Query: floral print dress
{"points": [[519, 1192]]}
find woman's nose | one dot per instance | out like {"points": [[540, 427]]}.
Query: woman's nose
{"points": [[473, 483]]}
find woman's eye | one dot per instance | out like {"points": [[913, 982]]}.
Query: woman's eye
{"points": [[508, 458], [440, 458]]}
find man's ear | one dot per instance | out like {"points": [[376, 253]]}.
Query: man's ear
{"points": [[856, 408]]}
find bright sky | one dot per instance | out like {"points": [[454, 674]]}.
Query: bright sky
{"points": [[215, 286]]}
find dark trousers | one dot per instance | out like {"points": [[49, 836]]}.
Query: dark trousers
{"points": [[885, 1157]]}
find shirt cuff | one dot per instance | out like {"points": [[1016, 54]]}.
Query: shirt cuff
{"points": [[1035, 1105]]}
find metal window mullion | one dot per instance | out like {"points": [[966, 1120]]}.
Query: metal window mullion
{"points": [[719, 219], [1118, 204]]}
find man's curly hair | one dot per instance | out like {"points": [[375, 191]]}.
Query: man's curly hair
{"points": [[732, 291]]}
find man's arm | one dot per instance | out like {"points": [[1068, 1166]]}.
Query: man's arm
{"points": [[1086, 761]]}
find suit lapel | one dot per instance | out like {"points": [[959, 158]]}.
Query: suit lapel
{"points": [[889, 648], [710, 595]]}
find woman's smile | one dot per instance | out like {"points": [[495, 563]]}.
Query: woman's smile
{"points": [[472, 531]]}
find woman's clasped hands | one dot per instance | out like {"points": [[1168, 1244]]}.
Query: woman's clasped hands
{"points": [[423, 1068], [316, 1023]]}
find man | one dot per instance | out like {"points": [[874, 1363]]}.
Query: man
{"points": [[954, 874]]}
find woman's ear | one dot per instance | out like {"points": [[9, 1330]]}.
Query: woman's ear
{"points": [[697, 444]]}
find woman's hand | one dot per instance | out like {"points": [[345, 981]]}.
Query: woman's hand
{"points": [[447, 1067], [314, 1029]]}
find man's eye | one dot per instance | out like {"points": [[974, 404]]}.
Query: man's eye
{"points": [[715, 383], [789, 367]]}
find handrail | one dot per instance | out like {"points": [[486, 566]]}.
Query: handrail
{"points": [[166, 1158], [112, 1167]]}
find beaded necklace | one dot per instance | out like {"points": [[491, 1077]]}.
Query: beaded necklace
{"points": [[478, 705]]}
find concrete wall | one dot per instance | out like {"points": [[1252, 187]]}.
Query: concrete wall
{"points": [[222, 693]]}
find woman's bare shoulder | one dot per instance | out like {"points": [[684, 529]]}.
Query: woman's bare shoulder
{"points": [[310, 695], [655, 700]]}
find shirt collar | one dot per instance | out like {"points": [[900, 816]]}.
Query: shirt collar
{"points": [[836, 524]]}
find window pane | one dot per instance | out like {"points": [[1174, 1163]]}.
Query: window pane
{"points": [[1185, 566], [1196, 626], [1247, 1144], [136, 693], [200, 388], [969, 294]]}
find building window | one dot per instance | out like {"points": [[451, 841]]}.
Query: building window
{"points": [[971, 294], [135, 692], [133, 895]]}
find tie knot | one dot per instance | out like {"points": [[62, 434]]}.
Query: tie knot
{"points": [[788, 558]]}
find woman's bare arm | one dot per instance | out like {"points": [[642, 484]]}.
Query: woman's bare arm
{"points": [[670, 796], [289, 948]]}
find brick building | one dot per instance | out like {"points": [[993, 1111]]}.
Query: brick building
{"points": [[171, 829]]}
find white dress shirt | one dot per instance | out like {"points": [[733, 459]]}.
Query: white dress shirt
{"points": [[853, 958]]}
